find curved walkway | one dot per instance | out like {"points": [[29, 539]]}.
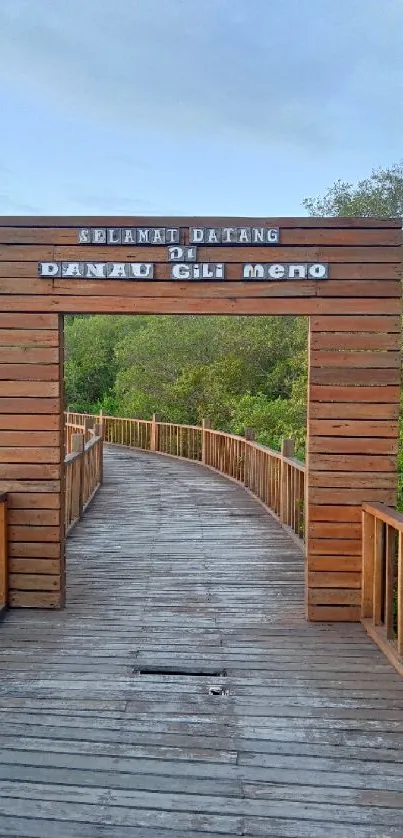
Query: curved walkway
{"points": [[107, 726]]}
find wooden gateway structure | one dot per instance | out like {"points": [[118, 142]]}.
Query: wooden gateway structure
{"points": [[344, 274]]}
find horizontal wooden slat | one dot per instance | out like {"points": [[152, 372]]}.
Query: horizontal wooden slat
{"points": [[358, 376], [29, 372], [353, 479], [181, 305], [342, 288], [34, 517], [335, 546], [42, 566], [24, 338], [33, 582], [29, 455], [353, 410], [374, 360], [387, 433], [335, 513], [34, 550], [352, 445], [377, 395], [334, 579], [232, 285], [31, 422], [28, 533], [30, 486], [100, 253], [30, 405], [28, 356], [19, 439], [373, 323], [33, 500], [288, 235], [29, 471], [44, 389], [346, 495], [352, 462], [368, 446], [302, 222], [354, 341], [31, 321], [334, 596], [335, 563], [335, 529], [34, 599]]}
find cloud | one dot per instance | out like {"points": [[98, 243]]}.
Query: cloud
{"points": [[256, 71]]}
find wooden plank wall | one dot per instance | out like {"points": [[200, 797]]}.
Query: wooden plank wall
{"points": [[31, 443], [353, 389]]}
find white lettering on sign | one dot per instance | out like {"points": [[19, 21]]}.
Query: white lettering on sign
{"points": [[97, 270], [197, 270], [279, 271], [186, 269], [234, 235], [182, 254], [129, 235], [172, 235]]}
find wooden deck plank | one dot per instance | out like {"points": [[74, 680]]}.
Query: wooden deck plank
{"points": [[174, 566]]}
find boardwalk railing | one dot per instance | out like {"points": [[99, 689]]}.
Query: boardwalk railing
{"points": [[382, 583], [277, 479], [83, 467]]}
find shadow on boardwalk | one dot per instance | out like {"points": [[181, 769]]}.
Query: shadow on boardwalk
{"points": [[175, 567]]}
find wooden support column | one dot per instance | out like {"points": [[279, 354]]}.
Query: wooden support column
{"points": [[351, 451], [31, 454]]}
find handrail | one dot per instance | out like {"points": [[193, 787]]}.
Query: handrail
{"points": [[83, 469], [382, 583], [3, 553], [275, 478]]}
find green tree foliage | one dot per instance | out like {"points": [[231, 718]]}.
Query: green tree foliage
{"points": [[379, 196], [232, 370]]}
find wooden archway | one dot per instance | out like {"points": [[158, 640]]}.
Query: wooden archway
{"points": [[344, 274]]}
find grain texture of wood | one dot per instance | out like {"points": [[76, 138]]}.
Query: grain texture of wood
{"points": [[175, 567]]}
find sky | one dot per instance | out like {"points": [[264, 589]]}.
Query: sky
{"points": [[220, 107]]}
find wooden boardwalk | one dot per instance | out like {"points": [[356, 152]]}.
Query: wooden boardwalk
{"points": [[175, 568]]}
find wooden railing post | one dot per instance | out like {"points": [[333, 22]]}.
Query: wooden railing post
{"points": [[3, 553], [250, 436], [206, 425], [99, 431], [368, 561], [77, 447], [154, 433], [287, 450], [86, 428]]}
